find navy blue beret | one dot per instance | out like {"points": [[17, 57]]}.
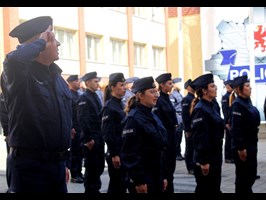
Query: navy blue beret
{"points": [[89, 76], [239, 81], [187, 83], [30, 28], [228, 82], [177, 80], [72, 78], [164, 77], [202, 81], [114, 78], [143, 84], [131, 79]]}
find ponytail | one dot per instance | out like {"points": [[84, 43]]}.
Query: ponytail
{"points": [[232, 97], [131, 103]]}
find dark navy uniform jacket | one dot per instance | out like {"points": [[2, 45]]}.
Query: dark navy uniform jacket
{"points": [[186, 103], [167, 114], [225, 106], [38, 101], [207, 132], [89, 117], [245, 121], [144, 140], [3, 115], [112, 124], [75, 98]]}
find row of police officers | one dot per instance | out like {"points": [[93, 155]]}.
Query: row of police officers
{"points": [[45, 118]]}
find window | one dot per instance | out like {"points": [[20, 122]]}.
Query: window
{"points": [[138, 11], [67, 48], [158, 14], [118, 51], [94, 48], [158, 57], [139, 54]]}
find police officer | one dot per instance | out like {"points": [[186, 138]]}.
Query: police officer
{"points": [[207, 133], [167, 114], [186, 103], [228, 155], [176, 98], [89, 116], [144, 140], [4, 119], [75, 149], [129, 93], [244, 128], [39, 108], [112, 118]]}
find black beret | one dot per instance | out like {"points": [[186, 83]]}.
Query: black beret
{"points": [[187, 83], [239, 81], [202, 81], [177, 80], [30, 28], [228, 82], [116, 77], [131, 79], [72, 78], [164, 77], [143, 84], [89, 76]]}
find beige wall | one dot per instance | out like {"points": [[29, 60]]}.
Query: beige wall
{"points": [[192, 53]]}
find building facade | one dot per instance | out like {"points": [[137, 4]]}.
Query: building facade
{"points": [[148, 41]]}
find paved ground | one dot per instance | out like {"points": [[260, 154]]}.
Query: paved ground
{"points": [[184, 183]]}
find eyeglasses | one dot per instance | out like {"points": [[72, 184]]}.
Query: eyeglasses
{"points": [[154, 92]]}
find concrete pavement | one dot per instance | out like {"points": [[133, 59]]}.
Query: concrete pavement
{"points": [[183, 182]]}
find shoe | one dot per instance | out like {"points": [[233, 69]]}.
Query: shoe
{"points": [[229, 161], [190, 172], [76, 180], [180, 158], [257, 177]]}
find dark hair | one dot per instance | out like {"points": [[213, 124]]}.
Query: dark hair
{"points": [[107, 94], [107, 91]]}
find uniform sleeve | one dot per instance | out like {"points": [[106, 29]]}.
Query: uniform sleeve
{"points": [[200, 134], [17, 62], [3, 116], [225, 107], [108, 130], [83, 113], [130, 152], [186, 114], [236, 124]]}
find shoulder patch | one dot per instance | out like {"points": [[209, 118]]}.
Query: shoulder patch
{"points": [[82, 103], [197, 120], [237, 113], [128, 132]]}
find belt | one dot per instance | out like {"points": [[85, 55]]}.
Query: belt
{"points": [[37, 155]]}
